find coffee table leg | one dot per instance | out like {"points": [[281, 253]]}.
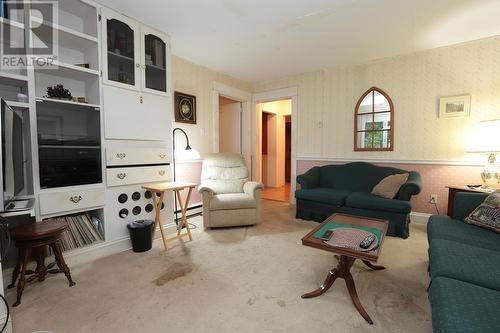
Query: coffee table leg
{"points": [[355, 299], [372, 266], [343, 271], [330, 279]]}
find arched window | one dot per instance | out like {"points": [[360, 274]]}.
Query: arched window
{"points": [[374, 122]]}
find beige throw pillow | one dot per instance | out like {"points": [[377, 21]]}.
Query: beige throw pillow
{"points": [[390, 185]]}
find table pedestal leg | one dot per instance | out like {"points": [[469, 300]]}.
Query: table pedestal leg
{"points": [[343, 271], [372, 266]]}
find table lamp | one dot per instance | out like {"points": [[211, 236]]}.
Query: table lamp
{"points": [[486, 139]]}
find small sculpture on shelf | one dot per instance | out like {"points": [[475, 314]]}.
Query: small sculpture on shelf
{"points": [[59, 92]]}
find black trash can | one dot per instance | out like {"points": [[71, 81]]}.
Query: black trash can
{"points": [[141, 235]]}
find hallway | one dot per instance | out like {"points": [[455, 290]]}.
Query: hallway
{"points": [[277, 193]]}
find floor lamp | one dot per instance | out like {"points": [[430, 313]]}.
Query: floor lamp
{"points": [[187, 153]]}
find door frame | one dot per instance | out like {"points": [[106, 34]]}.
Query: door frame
{"points": [[245, 98], [271, 96]]}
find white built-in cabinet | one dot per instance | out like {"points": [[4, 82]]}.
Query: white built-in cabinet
{"points": [[134, 56], [136, 77]]}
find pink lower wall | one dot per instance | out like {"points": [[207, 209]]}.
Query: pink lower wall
{"points": [[190, 172], [435, 178]]}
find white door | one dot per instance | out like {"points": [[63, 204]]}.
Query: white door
{"points": [[121, 50], [155, 64], [230, 128]]}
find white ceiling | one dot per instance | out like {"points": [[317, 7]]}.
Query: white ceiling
{"points": [[257, 40]]}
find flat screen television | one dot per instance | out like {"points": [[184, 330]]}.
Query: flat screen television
{"points": [[12, 163]]}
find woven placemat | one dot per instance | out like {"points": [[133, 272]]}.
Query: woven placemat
{"points": [[350, 238]]}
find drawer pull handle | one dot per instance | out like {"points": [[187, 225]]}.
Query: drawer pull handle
{"points": [[161, 172], [121, 156], [75, 199], [121, 175], [162, 156]]}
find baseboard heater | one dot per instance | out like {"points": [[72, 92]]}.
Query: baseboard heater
{"points": [[192, 211]]}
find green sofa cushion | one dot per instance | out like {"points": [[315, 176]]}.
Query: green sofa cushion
{"points": [[373, 202], [444, 227], [324, 195], [465, 262], [460, 307]]}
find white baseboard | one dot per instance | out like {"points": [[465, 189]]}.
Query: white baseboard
{"points": [[419, 218]]}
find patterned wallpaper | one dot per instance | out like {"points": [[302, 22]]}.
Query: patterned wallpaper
{"points": [[197, 80], [415, 82]]}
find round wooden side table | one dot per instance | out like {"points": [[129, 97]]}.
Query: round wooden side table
{"points": [[33, 238]]}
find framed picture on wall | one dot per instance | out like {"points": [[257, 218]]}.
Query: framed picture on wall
{"points": [[185, 108], [455, 106]]}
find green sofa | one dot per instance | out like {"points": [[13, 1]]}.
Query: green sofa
{"points": [[347, 189], [464, 265]]}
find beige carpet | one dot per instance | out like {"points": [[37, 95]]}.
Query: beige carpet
{"points": [[233, 280]]}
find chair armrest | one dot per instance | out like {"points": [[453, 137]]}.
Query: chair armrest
{"points": [[413, 186], [251, 187], [465, 203], [310, 179], [203, 189]]}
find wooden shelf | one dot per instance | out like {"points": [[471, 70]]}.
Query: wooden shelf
{"points": [[62, 101]]}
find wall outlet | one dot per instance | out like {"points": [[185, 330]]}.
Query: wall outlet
{"points": [[433, 199]]}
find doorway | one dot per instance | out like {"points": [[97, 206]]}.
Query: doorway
{"points": [[235, 97], [230, 126], [276, 149]]}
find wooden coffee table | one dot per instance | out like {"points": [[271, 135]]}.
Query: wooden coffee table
{"points": [[346, 257]]}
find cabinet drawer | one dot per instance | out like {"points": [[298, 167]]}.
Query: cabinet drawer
{"points": [[136, 156], [59, 202], [137, 175]]}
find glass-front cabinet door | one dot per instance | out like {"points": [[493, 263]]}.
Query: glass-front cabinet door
{"points": [[155, 61], [121, 64]]}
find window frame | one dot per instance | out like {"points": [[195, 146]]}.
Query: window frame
{"points": [[357, 114]]}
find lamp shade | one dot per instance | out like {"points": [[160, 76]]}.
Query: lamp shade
{"points": [[188, 154], [485, 137]]}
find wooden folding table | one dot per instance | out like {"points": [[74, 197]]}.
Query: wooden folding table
{"points": [[157, 193]]}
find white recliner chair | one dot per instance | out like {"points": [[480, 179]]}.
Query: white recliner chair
{"points": [[229, 199]]}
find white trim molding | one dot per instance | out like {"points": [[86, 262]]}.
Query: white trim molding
{"points": [[387, 161], [245, 97]]}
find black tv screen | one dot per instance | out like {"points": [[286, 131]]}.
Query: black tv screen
{"points": [[12, 155]]}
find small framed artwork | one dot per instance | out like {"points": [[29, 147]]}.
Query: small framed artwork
{"points": [[455, 106], [185, 108]]}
